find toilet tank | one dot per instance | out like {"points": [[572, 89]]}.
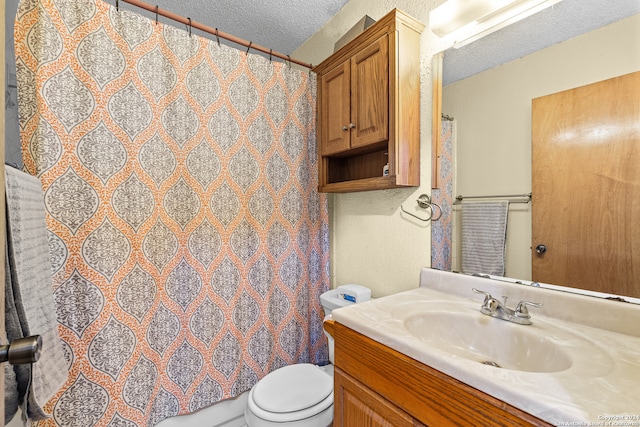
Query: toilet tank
{"points": [[342, 296]]}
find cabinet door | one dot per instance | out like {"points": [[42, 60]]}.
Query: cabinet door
{"points": [[370, 94], [357, 405], [335, 112]]}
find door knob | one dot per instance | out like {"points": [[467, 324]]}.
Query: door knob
{"points": [[540, 249], [22, 351]]}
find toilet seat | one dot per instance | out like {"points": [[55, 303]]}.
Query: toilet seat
{"points": [[292, 393]]}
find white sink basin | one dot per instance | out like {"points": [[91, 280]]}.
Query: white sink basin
{"points": [[489, 341], [457, 330]]}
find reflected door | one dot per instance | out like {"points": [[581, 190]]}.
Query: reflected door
{"points": [[586, 187]]}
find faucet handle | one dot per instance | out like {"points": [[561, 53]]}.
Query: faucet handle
{"points": [[487, 295], [522, 311], [489, 305]]}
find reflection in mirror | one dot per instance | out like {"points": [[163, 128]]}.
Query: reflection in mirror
{"points": [[492, 109]]}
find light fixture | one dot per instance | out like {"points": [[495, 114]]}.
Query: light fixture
{"points": [[465, 21]]}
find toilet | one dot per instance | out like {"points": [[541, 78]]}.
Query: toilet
{"points": [[301, 395]]}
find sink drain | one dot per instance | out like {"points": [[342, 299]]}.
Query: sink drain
{"points": [[491, 363]]}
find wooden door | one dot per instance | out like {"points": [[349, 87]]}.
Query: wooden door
{"points": [[335, 110], [370, 94], [586, 186]]}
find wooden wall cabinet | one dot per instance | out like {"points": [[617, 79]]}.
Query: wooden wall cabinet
{"points": [[369, 109], [375, 385]]}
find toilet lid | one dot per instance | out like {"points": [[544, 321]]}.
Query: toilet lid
{"points": [[292, 388]]}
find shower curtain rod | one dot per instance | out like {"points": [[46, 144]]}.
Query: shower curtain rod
{"points": [[214, 31]]}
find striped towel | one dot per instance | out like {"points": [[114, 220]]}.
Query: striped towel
{"points": [[484, 233]]}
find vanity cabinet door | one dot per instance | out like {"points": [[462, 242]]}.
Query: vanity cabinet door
{"points": [[357, 405]]}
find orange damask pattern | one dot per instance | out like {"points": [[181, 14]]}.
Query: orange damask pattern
{"points": [[188, 241], [441, 230]]}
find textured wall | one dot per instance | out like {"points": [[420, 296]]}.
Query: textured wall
{"points": [[372, 242]]}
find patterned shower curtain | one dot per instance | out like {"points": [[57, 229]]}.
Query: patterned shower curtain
{"points": [[441, 230], [188, 241]]}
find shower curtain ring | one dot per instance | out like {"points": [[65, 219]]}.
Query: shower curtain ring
{"points": [[156, 14], [117, 5], [289, 61], [248, 47], [217, 37], [270, 54], [189, 26]]}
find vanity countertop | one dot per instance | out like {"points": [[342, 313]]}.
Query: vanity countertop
{"points": [[601, 338]]}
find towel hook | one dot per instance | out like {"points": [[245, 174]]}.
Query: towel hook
{"points": [[425, 202]]}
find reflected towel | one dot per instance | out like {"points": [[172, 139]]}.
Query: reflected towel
{"points": [[484, 233], [30, 306]]}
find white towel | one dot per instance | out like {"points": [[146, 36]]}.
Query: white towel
{"points": [[28, 290], [484, 232]]}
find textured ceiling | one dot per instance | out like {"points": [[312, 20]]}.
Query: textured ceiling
{"points": [[281, 25], [563, 21]]}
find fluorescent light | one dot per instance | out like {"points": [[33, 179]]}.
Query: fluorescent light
{"points": [[464, 21]]}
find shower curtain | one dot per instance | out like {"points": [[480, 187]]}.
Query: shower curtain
{"points": [[441, 230], [188, 241]]}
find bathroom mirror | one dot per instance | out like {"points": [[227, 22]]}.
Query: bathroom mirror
{"points": [[491, 103]]}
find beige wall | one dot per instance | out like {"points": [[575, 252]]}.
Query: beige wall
{"points": [[493, 118], [372, 242]]}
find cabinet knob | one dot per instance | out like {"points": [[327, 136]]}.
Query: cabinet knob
{"points": [[352, 125], [345, 128]]}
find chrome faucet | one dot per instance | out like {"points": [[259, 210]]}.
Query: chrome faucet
{"points": [[494, 308]]}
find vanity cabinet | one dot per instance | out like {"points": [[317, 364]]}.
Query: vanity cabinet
{"points": [[376, 385], [369, 109]]}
